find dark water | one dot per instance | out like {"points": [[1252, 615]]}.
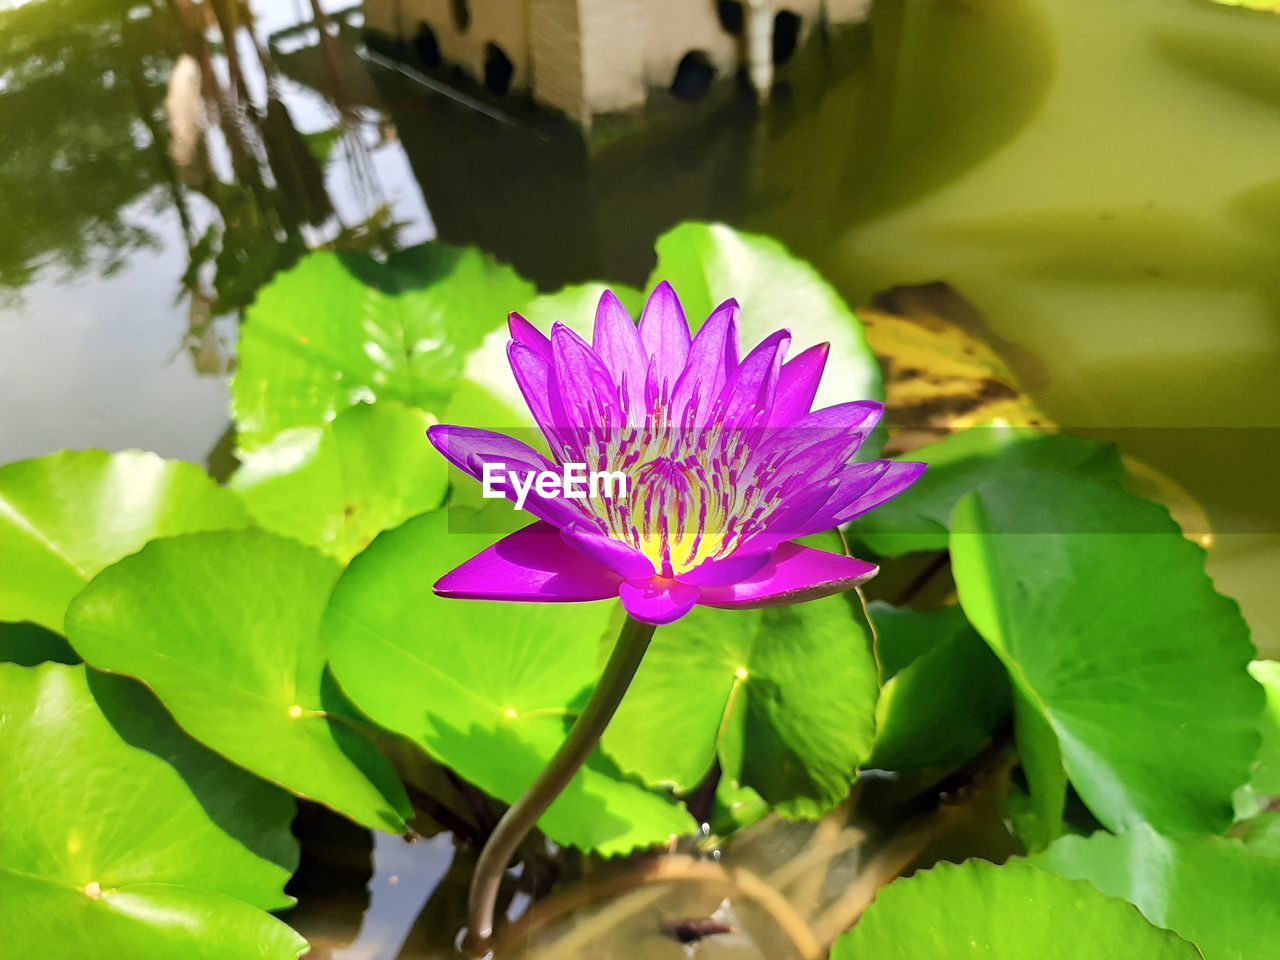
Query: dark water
{"points": [[1098, 177]]}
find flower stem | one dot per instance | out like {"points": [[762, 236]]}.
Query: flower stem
{"points": [[628, 651]]}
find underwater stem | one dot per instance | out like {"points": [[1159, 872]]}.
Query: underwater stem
{"points": [[628, 651]]}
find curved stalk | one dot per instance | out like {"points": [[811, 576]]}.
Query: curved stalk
{"points": [[628, 651]]}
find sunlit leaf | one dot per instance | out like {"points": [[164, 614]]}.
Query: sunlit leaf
{"points": [[335, 487], [1265, 782], [224, 628], [920, 518], [783, 697], [1116, 642], [65, 517], [980, 911], [122, 837], [708, 263], [486, 688], [944, 691], [342, 329], [1218, 893]]}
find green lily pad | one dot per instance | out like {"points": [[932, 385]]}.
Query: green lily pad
{"points": [[1116, 641], [122, 837], [920, 518], [337, 486], [980, 911], [65, 517], [341, 329], [1265, 782], [224, 628], [784, 697], [488, 689], [944, 691], [708, 263], [1218, 893]]}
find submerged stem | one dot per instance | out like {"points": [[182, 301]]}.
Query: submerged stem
{"points": [[628, 651]]}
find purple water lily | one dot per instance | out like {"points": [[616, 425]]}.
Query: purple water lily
{"points": [[726, 465]]}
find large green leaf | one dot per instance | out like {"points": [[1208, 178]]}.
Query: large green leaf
{"points": [[486, 688], [980, 911], [122, 837], [920, 518], [67, 516], [1218, 893], [342, 329], [944, 691], [337, 486], [708, 263], [784, 697], [224, 627], [1253, 797], [1116, 641]]}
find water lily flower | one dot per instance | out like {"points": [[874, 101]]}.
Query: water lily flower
{"points": [[725, 461]]}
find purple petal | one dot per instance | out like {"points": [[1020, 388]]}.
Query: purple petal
{"points": [[798, 385], [624, 560], [582, 381], [796, 574], [524, 332], [897, 478], [470, 449], [533, 564], [657, 601], [533, 377], [750, 390], [713, 356], [617, 342], [855, 419], [664, 331], [718, 573]]}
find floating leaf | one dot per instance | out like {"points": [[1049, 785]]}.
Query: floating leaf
{"points": [[944, 691], [980, 911], [342, 329], [1116, 641], [1270, 6], [1218, 893], [65, 517], [1265, 783], [486, 688], [708, 263], [122, 837], [919, 519], [784, 697], [337, 486], [224, 628]]}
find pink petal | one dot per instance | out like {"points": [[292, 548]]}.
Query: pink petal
{"points": [[664, 331], [750, 391], [718, 573], [617, 342], [533, 564], [657, 601], [798, 385], [796, 574], [583, 382], [713, 356], [897, 478], [524, 332], [624, 560], [533, 376]]}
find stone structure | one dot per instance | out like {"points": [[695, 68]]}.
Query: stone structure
{"points": [[592, 57]]}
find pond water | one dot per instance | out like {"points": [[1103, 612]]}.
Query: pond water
{"points": [[1097, 177]]}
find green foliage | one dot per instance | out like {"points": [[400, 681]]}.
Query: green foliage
{"points": [[944, 692], [1265, 782], [224, 628], [336, 486], [338, 330], [122, 837], [65, 517], [980, 911], [1115, 639], [920, 518], [1217, 893], [486, 688], [784, 698], [708, 263]]}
